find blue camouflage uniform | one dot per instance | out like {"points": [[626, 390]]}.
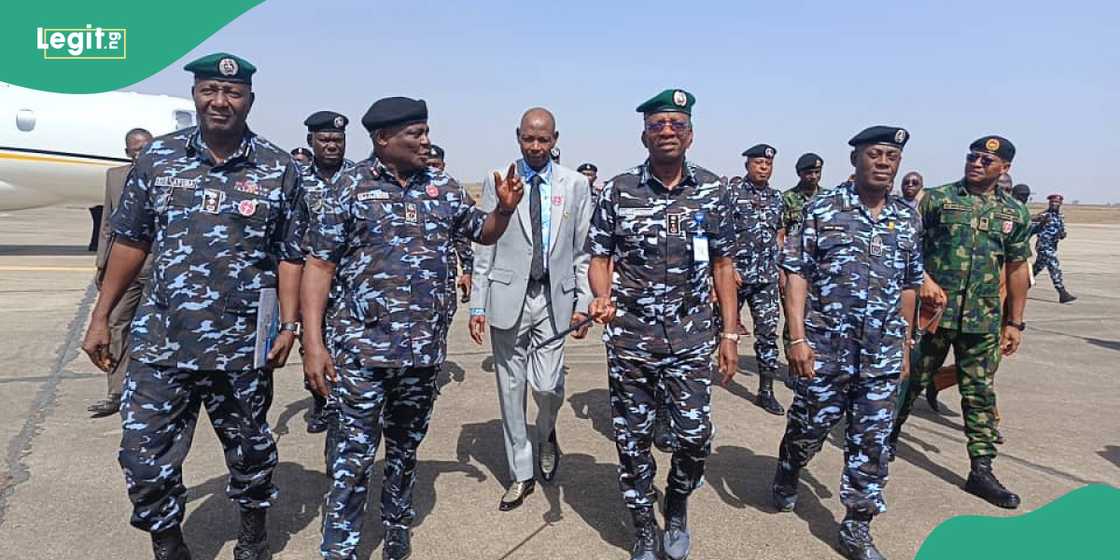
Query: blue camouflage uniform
{"points": [[387, 329], [856, 267], [1052, 230], [662, 242], [758, 217], [217, 234]]}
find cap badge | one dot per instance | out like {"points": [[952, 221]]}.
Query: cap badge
{"points": [[900, 136], [227, 66], [679, 98], [769, 152], [339, 122], [991, 145]]}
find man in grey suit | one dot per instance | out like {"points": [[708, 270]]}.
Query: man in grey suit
{"points": [[121, 317], [529, 286]]}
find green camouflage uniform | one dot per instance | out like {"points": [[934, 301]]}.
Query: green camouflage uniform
{"points": [[793, 201], [968, 238]]}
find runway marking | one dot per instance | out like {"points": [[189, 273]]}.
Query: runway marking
{"points": [[47, 268]]}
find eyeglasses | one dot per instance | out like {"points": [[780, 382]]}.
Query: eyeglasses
{"points": [[677, 126], [909, 182], [984, 159]]}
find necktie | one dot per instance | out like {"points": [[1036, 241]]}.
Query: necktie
{"points": [[536, 270]]}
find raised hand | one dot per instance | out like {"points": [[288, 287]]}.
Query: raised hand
{"points": [[509, 190]]}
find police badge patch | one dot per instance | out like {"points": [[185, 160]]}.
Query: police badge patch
{"points": [[212, 200]]}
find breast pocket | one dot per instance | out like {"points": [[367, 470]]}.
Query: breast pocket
{"points": [[375, 223], [835, 248], [637, 233]]}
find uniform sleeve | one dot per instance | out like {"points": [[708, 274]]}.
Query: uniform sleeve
{"points": [[292, 225], [915, 267], [135, 217], [468, 220], [1018, 249], [327, 229], [463, 245], [600, 236], [723, 245], [799, 252], [790, 213]]}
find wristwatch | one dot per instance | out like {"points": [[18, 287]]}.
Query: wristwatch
{"points": [[1022, 326], [294, 328], [734, 337]]}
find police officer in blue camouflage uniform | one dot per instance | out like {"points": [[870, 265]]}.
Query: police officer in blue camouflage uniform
{"points": [[665, 226], [1051, 230], [758, 222], [856, 261], [385, 238], [218, 207], [326, 135], [463, 255]]}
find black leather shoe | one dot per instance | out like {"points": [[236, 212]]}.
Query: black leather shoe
{"points": [[677, 540], [105, 407], [252, 539], [169, 545], [516, 494], [767, 402], [931, 398], [783, 491], [983, 483], [663, 438], [1066, 297], [548, 459], [645, 535], [855, 539], [398, 543], [316, 417]]}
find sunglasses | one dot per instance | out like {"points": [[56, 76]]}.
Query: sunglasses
{"points": [[909, 182], [677, 126], [985, 160]]}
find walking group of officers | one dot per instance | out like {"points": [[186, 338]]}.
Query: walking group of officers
{"points": [[362, 258]]}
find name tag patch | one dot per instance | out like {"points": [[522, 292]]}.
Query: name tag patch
{"points": [[372, 195], [175, 182], [636, 212]]}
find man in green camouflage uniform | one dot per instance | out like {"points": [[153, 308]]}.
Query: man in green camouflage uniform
{"points": [[972, 231], [809, 168]]}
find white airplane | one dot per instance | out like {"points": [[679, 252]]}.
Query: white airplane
{"points": [[55, 148]]}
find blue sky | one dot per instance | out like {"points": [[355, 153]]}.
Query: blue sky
{"points": [[802, 76]]}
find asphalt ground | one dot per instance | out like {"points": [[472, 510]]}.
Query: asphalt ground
{"points": [[63, 493]]}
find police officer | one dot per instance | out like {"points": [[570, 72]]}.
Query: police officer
{"points": [[809, 167], [326, 135], [856, 262], [216, 204], [1051, 230], [758, 218], [463, 255], [665, 226], [302, 156], [592, 173], [387, 234], [973, 234], [1021, 192]]}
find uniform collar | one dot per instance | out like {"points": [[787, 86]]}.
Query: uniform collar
{"points": [[754, 187], [196, 147], [381, 171], [346, 164], [689, 177], [998, 194], [852, 201]]}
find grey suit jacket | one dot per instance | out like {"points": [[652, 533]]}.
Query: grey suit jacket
{"points": [[114, 186], [501, 271]]}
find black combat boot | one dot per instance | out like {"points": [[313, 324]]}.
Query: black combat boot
{"points": [[983, 483], [765, 398], [317, 416], [252, 539], [645, 535], [398, 543], [783, 491], [663, 438], [169, 545], [1065, 297], [931, 398], [855, 538], [677, 541]]}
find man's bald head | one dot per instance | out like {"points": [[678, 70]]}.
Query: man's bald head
{"points": [[537, 135]]}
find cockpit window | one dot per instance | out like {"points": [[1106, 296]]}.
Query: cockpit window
{"points": [[183, 119], [25, 120]]}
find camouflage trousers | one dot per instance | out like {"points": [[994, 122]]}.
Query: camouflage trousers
{"points": [[977, 358], [841, 389], [369, 402], [763, 302], [635, 377], [159, 410], [1048, 259]]}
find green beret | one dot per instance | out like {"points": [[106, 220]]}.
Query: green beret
{"points": [[326, 121], [809, 161], [996, 145], [394, 111], [668, 101], [222, 66], [760, 150], [890, 135]]}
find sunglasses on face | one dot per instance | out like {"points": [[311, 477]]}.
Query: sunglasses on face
{"points": [[677, 126], [985, 160], [911, 182]]}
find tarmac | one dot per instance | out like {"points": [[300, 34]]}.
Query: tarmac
{"points": [[62, 493]]}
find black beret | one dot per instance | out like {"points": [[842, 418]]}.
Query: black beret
{"points": [[890, 135], [437, 152], [668, 101], [996, 145], [1022, 189], [222, 66], [394, 111], [302, 151], [761, 150], [587, 167], [809, 161], [1056, 196], [326, 121]]}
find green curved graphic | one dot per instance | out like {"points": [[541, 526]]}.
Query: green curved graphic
{"points": [[96, 46], [1084, 524]]}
